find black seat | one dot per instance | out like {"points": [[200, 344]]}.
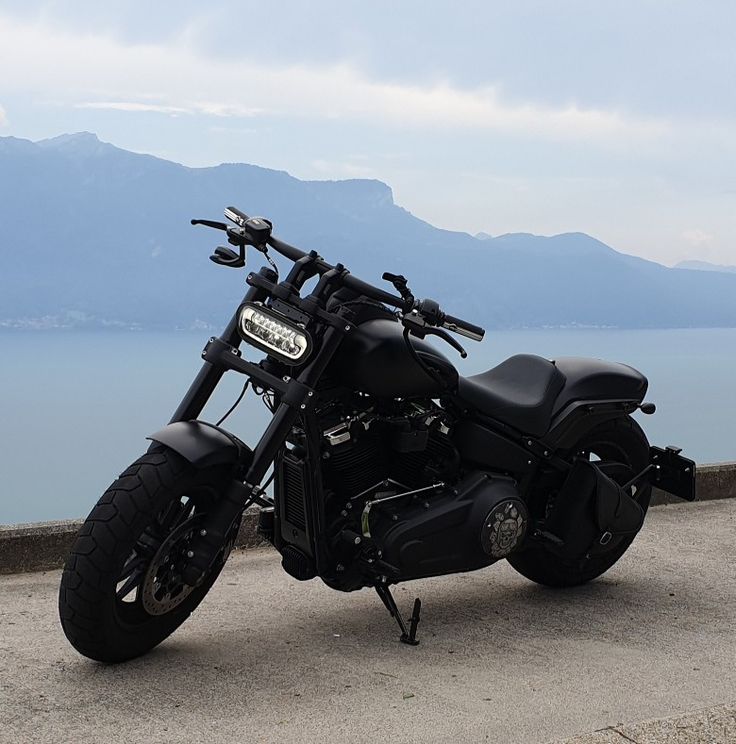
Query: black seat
{"points": [[520, 392]]}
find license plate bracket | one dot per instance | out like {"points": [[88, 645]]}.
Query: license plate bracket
{"points": [[671, 472]]}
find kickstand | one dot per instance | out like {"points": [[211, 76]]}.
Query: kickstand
{"points": [[407, 636]]}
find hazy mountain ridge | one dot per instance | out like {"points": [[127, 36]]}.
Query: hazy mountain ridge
{"points": [[705, 266], [96, 235]]}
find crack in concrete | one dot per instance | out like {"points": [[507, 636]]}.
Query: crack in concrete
{"points": [[622, 734]]}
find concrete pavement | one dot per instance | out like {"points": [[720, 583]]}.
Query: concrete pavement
{"points": [[709, 726], [267, 659]]}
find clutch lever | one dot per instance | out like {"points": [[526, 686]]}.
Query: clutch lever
{"points": [[445, 336], [417, 326], [226, 257]]}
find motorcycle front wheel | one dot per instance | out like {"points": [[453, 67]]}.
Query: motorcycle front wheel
{"points": [[620, 441], [121, 591]]}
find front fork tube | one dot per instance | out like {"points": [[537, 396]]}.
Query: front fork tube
{"points": [[209, 375], [292, 406], [298, 398]]}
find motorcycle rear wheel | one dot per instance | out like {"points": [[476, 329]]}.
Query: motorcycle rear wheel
{"points": [[121, 592], [620, 440]]}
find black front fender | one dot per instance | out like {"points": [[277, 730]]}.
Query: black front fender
{"points": [[203, 444]]}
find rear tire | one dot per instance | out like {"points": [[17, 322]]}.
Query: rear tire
{"points": [[620, 440], [117, 560]]}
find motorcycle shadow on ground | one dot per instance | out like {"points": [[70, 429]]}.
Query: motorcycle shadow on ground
{"points": [[309, 641]]}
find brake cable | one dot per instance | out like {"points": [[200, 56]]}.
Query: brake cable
{"points": [[264, 250], [236, 404], [425, 367]]}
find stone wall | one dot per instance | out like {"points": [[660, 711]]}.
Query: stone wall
{"points": [[44, 545]]}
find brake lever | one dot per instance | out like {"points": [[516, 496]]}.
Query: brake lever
{"points": [[210, 223]]}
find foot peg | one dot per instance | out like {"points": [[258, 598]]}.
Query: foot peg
{"points": [[408, 636]]}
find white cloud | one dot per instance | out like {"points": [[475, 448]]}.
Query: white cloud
{"points": [[132, 106], [199, 107], [93, 71], [697, 237], [3, 117]]}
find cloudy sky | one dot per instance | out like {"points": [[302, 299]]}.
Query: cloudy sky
{"points": [[614, 117]]}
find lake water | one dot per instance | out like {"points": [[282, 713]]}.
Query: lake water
{"points": [[75, 407]]}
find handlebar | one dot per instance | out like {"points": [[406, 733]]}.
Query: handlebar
{"points": [[257, 230], [349, 281]]}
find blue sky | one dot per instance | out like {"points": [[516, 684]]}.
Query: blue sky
{"points": [[614, 118]]}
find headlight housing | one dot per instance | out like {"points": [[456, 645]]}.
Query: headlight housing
{"points": [[273, 333]]}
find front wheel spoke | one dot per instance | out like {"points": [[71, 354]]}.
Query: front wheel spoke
{"points": [[146, 551], [177, 513], [166, 522], [132, 565], [130, 583], [163, 587], [150, 541], [185, 514]]}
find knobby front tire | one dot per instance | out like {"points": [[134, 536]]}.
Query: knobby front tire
{"points": [[118, 596]]}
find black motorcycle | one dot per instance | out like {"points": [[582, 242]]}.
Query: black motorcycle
{"points": [[387, 464]]}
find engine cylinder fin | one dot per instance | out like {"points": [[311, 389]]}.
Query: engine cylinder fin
{"points": [[353, 467]]}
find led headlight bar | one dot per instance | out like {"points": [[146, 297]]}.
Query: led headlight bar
{"points": [[273, 333]]}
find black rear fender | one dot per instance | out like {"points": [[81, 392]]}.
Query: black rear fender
{"points": [[570, 424], [203, 444]]}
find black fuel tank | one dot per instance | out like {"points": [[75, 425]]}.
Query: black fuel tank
{"points": [[374, 359]]}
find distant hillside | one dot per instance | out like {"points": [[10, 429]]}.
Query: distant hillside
{"points": [[705, 266], [95, 235]]}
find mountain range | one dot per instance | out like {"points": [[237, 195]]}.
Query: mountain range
{"points": [[94, 235], [705, 266]]}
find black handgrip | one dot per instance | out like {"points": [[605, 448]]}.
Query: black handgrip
{"points": [[463, 327]]}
